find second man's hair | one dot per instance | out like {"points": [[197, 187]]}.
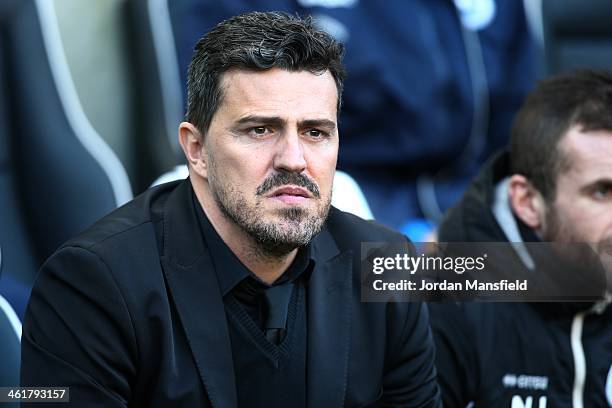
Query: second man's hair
{"points": [[582, 98]]}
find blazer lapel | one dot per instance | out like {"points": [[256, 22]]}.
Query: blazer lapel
{"points": [[329, 323], [195, 291]]}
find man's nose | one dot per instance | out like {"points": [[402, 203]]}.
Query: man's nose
{"points": [[290, 153]]}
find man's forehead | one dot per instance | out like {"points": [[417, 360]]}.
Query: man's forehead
{"points": [[589, 151], [277, 89]]}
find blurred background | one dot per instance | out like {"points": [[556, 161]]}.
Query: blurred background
{"points": [[93, 92]]}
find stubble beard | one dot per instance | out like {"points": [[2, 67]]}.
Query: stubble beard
{"points": [[559, 231], [556, 230], [291, 228]]}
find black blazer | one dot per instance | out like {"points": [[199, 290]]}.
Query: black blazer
{"points": [[129, 313]]}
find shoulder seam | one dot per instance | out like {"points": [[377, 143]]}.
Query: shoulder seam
{"points": [[92, 245]]}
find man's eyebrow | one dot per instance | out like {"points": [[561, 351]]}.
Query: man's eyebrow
{"points": [[270, 120], [277, 121], [325, 123]]}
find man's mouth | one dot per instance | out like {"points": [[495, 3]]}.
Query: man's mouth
{"points": [[290, 194]]}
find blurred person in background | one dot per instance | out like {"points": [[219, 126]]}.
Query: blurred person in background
{"points": [[431, 90], [554, 185], [239, 286]]}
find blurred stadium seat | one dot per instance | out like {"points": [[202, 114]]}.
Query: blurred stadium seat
{"points": [[10, 335], [121, 57], [157, 83], [57, 175], [576, 34]]}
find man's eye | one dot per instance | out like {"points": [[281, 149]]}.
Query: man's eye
{"points": [[316, 133], [603, 192], [259, 131]]}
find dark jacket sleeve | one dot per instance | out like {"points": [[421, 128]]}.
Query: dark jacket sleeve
{"points": [[410, 377], [455, 354], [77, 332]]}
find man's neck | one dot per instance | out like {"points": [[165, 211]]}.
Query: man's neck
{"points": [[265, 266]]}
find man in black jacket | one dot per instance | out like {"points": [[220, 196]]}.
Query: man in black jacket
{"points": [[555, 185], [238, 287]]}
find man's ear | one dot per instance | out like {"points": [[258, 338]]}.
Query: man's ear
{"points": [[527, 202], [192, 142]]}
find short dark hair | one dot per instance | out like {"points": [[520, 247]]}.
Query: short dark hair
{"points": [[257, 41], [582, 98]]}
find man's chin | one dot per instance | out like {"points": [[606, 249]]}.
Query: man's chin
{"points": [[282, 236], [288, 213]]}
